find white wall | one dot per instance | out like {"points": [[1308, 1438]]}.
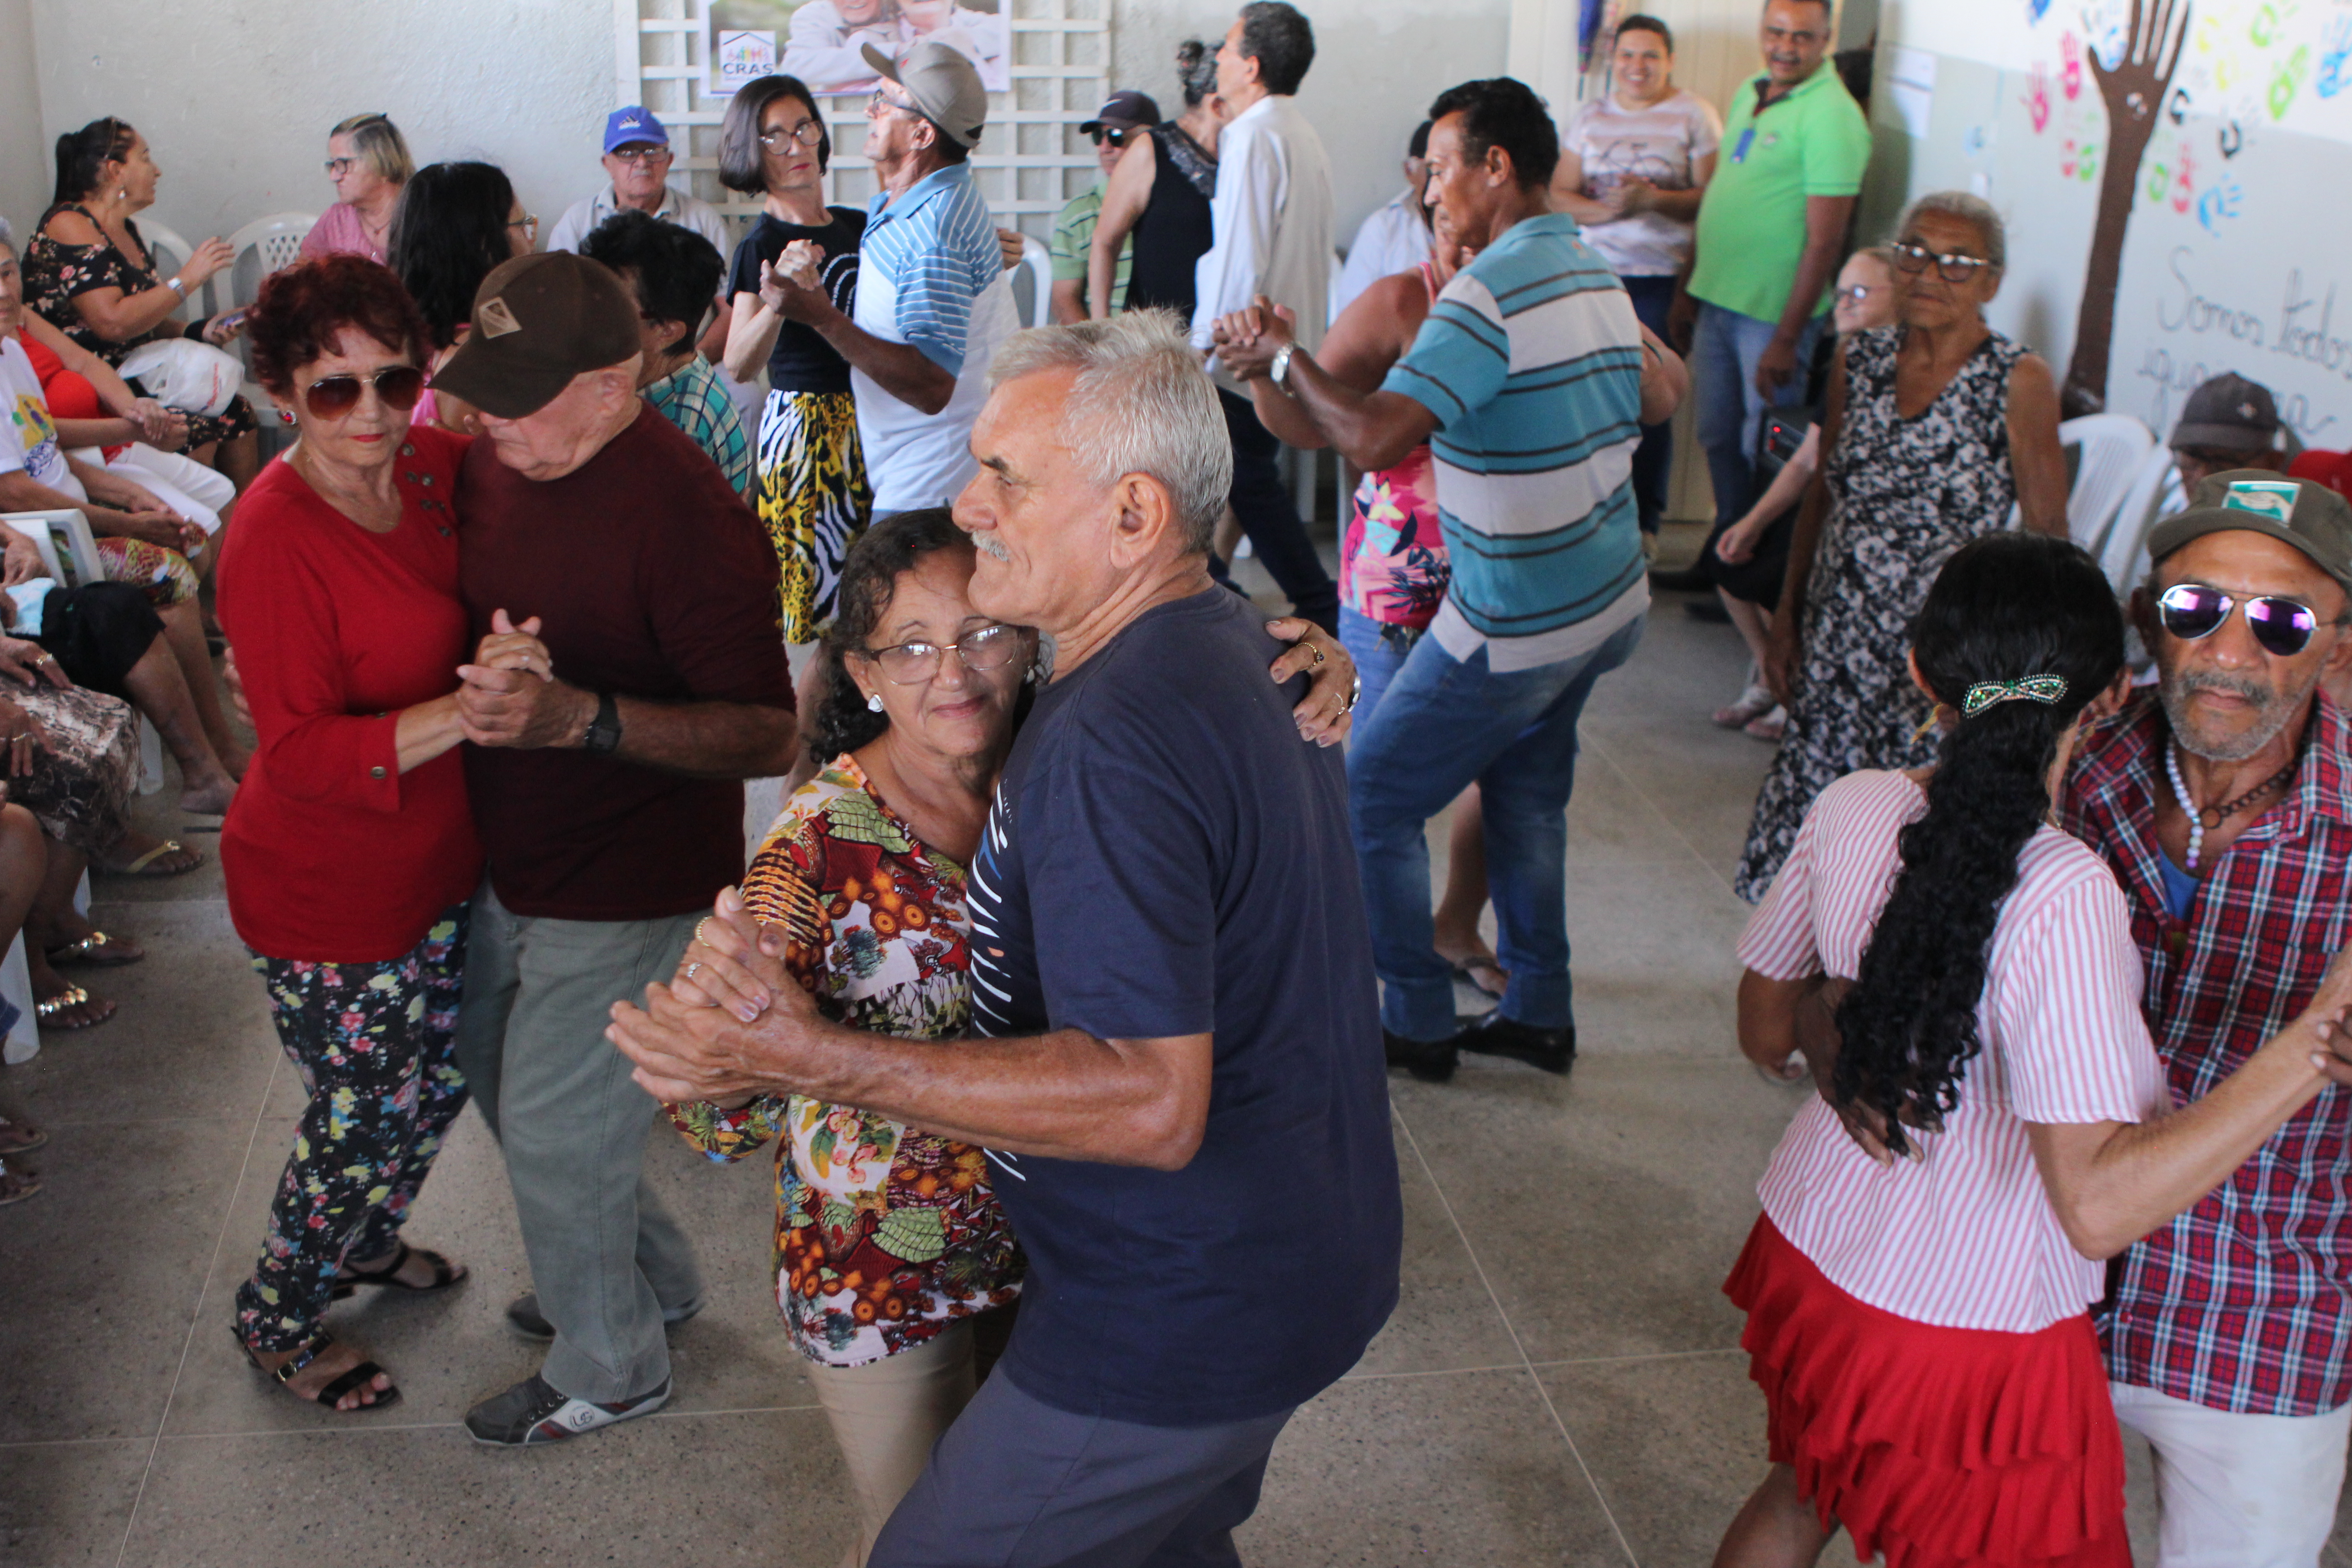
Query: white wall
{"points": [[1377, 64], [237, 96], [24, 150]]}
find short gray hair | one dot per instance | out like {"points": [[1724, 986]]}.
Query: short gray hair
{"points": [[377, 142], [1144, 404], [1972, 210], [7, 233]]}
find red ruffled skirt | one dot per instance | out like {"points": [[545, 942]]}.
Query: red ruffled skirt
{"points": [[1934, 1447]]}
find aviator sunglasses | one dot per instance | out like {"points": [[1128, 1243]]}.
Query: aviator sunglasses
{"points": [[2282, 627], [332, 397]]}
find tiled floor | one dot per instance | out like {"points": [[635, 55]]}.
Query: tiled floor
{"points": [[1560, 1383]]}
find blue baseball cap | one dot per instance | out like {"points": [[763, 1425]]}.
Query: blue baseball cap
{"points": [[635, 123]]}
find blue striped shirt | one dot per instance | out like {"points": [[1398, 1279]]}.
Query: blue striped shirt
{"points": [[1531, 360], [937, 246]]}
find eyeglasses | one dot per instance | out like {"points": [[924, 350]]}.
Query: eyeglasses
{"points": [[528, 223], [397, 387], [1117, 136], [643, 155], [338, 167], [2191, 611], [913, 663], [1914, 258], [807, 133], [1859, 294], [878, 103]]}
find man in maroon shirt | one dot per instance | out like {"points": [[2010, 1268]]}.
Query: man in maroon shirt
{"points": [[608, 799]]}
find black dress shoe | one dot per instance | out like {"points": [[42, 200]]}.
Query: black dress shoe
{"points": [[1680, 580], [1553, 1050], [1431, 1061], [1707, 609]]}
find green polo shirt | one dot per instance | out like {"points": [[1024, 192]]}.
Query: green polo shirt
{"points": [[1752, 224], [1074, 237]]}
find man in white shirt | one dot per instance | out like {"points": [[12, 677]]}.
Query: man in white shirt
{"points": [[1273, 217], [637, 157], [1395, 238]]}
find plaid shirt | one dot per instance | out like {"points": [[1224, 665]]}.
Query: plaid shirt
{"points": [[693, 399], [2240, 1304]]}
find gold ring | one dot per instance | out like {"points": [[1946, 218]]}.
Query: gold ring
{"points": [[1319, 657], [697, 928]]}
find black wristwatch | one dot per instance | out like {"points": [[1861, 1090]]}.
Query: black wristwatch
{"points": [[605, 729]]}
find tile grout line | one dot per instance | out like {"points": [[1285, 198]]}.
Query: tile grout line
{"points": [[203, 1290], [1509, 1328], [1597, 744]]}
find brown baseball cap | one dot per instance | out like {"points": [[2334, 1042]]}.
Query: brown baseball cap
{"points": [[539, 321], [2299, 512]]}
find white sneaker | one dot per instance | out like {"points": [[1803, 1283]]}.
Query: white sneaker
{"points": [[1753, 703]]}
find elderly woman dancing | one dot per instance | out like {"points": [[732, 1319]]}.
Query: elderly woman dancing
{"points": [[1936, 428], [1917, 1287]]}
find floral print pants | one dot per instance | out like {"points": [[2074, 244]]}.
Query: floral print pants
{"points": [[373, 1042]]}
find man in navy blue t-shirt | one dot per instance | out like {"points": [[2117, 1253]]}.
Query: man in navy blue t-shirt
{"points": [[1185, 1099]]}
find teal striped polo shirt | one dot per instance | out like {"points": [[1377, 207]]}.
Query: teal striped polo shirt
{"points": [[1531, 360]]}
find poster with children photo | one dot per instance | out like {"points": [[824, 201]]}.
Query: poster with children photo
{"points": [[822, 41]]}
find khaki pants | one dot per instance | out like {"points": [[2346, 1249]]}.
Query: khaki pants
{"points": [[886, 1417]]}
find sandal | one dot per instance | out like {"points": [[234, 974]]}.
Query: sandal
{"points": [[50, 1011], [137, 867], [27, 1139], [348, 1279], [98, 950], [17, 1186], [367, 1372], [1469, 969]]}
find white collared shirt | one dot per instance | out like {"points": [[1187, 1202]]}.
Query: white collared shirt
{"points": [[582, 217], [1273, 219]]}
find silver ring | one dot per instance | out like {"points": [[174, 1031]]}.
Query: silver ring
{"points": [[691, 968]]}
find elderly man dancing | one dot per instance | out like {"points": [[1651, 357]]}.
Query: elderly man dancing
{"points": [[1171, 961]]}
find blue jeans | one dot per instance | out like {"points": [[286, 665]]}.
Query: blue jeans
{"points": [[1724, 352], [1654, 460], [1442, 725], [1379, 651]]}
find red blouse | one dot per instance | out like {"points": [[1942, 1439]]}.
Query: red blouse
{"points": [[331, 852]]}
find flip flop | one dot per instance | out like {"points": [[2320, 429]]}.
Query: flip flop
{"points": [[169, 846], [98, 950], [47, 1012], [34, 1138], [1468, 972]]}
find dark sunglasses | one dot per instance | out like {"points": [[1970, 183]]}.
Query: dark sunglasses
{"points": [[1112, 134], [332, 397], [1915, 259], [2282, 627]]}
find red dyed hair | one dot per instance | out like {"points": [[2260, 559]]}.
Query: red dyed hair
{"points": [[303, 307]]}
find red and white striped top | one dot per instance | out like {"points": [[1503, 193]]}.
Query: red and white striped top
{"points": [[1963, 1234]]}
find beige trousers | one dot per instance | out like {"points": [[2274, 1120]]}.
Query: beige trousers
{"points": [[886, 1414]]}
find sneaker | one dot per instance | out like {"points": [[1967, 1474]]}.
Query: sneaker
{"points": [[534, 1412], [1769, 726], [1753, 703], [527, 1322]]}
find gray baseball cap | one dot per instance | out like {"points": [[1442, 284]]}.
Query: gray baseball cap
{"points": [[2228, 414], [2298, 512], [944, 85]]}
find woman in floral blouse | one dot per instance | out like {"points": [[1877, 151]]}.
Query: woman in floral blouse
{"points": [[890, 1251]]}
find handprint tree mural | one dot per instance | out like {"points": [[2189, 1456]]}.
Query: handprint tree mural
{"points": [[2133, 88]]}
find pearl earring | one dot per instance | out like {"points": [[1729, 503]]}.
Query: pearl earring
{"points": [[873, 703]]}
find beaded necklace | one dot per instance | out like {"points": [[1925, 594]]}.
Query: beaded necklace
{"points": [[2214, 815]]}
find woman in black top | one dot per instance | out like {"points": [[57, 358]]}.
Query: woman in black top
{"points": [[1160, 192], [809, 473]]}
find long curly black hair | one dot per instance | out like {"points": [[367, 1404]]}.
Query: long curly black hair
{"points": [[2005, 607], [869, 576]]}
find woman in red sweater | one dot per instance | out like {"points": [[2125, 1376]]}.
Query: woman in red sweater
{"points": [[350, 851]]}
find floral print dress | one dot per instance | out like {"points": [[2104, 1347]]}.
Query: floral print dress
{"points": [[885, 1235], [56, 274], [1905, 494]]}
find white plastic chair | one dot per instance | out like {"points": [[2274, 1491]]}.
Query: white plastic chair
{"points": [[44, 527], [265, 245], [168, 252], [1037, 263], [2123, 555], [2114, 449]]}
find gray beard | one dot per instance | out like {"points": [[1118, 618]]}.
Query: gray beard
{"points": [[2276, 708], [992, 547]]}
